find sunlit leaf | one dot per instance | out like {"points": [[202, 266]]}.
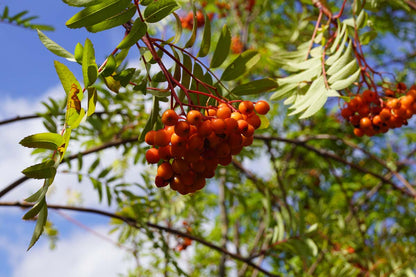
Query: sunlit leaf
{"points": [[54, 47], [222, 49], [138, 30], [255, 87], [40, 223], [41, 170], [66, 76], [241, 65], [43, 140], [92, 100], [97, 13], [157, 10], [114, 21], [89, 67]]}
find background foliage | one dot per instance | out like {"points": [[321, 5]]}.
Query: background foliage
{"points": [[307, 198]]}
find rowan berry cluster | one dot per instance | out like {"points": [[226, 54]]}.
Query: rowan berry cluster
{"points": [[371, 114], [189, 148]]}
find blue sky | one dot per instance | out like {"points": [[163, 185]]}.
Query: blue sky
{"points": [[28, 77]]}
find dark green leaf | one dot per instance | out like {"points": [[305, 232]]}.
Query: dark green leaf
{"points": [[54, 47], [37, 195], [93, 166], [97, 13], [157, 10], [222, 49], [240, 65], [40, 223], [206, 38], [41, 171], [255, 87], [191, 40], [138, 30], [152, 119], [43, 140], [117, 20], [178, 32], [125, 76]]}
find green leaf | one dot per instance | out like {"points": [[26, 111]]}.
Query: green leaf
{"points": [[92, 100], [283, 91], [206, 38], [114, 21], [37, 195], [255, 87], [66, 76], [178, 32], [342, 61], [112, 84], [43, 140], [97, 13], [34, 210], [304, 76], [41, 171], [240, 65], [191, 40], [81, 3], [40, 223], [186, 77], [152, 119], [157, 10], [125, 76], [138, 30], [346, 71], [222, 49], [79, 49], [367, 37], [74, 112], [110, 66], [341, 84], [89, 67], [54, 47]]}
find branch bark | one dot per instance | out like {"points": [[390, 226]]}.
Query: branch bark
{"points": [[133, 223]]}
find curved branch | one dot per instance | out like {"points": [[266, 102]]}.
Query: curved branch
{"points": [[332, 156], [133, 223], [113, 143]]}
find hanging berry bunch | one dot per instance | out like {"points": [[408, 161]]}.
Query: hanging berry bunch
{"points": [[371, 114], [190, 147]]}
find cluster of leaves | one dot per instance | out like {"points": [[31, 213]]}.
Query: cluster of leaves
{"points": [[21, 19]]}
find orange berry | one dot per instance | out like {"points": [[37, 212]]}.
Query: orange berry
{"points": [[247, 140], [198, 166], [205, 128], [180, 166], [199, 183], [249, 131], [182, 129], [370, 96], [235, 140], [377, 121], [194, 117], [231, 125], [191, 156], [225, 160], [177, 151], [187, 179], [365, 123], [246, 107], [346, 112], [385, 114], [393, 103], [150, 137], [363, 110], [262, 107], [254, 120], [407, 101], [152, 156], [358, 132], [164, 152], [213, 140], [242, 125], [218, 125], [165, 170], [224, 112], [236, 115], [176, 184], [178, 141], [160, 182], [170, 118], [211, 112], [162, 138], [196, 143], [223, 150]]}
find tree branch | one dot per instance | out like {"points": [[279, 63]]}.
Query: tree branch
{"points": [[113, 143], [133, 223]]}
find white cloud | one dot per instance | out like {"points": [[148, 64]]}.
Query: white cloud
{"points": [[81, 254]]}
